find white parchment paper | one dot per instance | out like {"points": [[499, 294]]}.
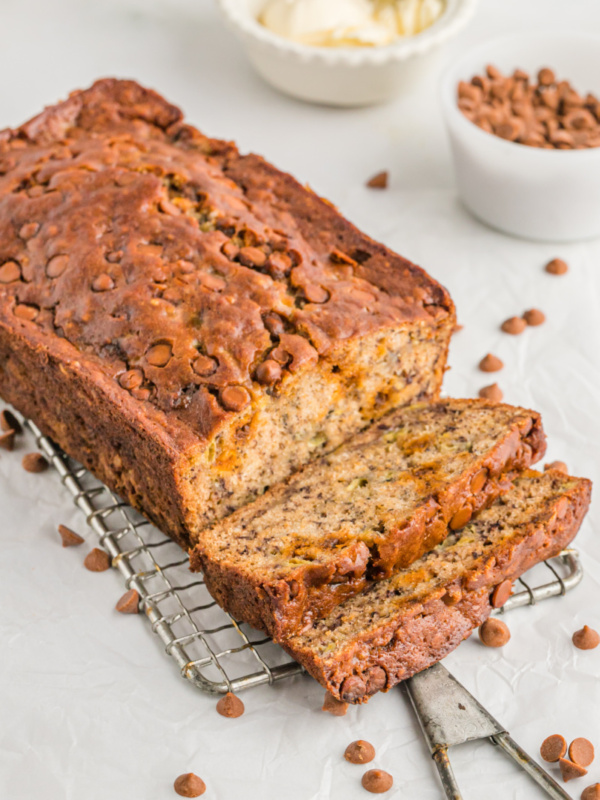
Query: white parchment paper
{"points": [[90, 705]]}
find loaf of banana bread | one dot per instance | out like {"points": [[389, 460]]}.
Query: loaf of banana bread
{"points": [[404, 624], [189, 323], [374, 505]]}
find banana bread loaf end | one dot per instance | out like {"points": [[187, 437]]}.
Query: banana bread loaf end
{"points": [[190, 323]]}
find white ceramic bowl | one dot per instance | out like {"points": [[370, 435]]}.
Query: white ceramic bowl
{"points": [[349, 76], [549, 195]]}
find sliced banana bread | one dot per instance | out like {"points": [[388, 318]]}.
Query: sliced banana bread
{"points": [[373, 506], [402, 625]]}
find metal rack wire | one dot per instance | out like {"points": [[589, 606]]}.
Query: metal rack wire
{"points": [[211, 649]]}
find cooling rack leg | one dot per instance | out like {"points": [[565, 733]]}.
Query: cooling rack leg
{"points": [[548, 784], [444, 767]]}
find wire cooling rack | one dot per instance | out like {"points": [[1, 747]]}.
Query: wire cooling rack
{"points": [[212, 650]]}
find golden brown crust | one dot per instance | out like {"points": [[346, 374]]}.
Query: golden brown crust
{"points": [[115, 216], [424, 632]]}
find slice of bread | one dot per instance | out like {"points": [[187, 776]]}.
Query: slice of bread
{"points": [[373, 506], [402, 625]]}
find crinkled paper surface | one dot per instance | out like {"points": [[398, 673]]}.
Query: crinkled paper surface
{"points": [[91, 706]]}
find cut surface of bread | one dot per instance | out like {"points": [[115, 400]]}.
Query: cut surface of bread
{"points": [[371, 507], [406, 623]]}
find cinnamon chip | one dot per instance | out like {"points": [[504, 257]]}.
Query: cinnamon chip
{"points": [[460, 519], [586, 638], [501, 594], [7, 440], [379, 181], [334, 706], [359, 752], [490, 363], [230, 706], [159, 354], [234, 398], [553, 748], [479, 479], [97, 560], [570, 770], [377, 781], [129, 603], [492, 392], [557, 267], [581, 752], [494, 633], [103, 283], [559, 466], [189, 785], [591, 792], [34, 462], [69, 537], [252, 257], [514, 326], [534, 317], [269, 372], [546, 77], [8, 422], [132, 379]]}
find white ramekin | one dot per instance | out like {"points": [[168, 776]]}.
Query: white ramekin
{"points": [[349, 76], [549, 195]]}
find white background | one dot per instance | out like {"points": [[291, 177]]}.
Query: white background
{"points": [[90, 706]]}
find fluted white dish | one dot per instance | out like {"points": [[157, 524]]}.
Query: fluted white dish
{"points": [[344, 76]]}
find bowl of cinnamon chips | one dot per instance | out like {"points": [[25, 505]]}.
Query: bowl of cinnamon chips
{"points": [[523, 116]]}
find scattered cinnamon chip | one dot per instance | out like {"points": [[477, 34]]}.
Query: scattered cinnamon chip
{"points": [[570, 770], [230, 706], [591, 792], [560, 466], [379, 181], [492, 392], [69, 537], [490, 363], [359, 752], [34, 462], [494, 633], [557, 267], [8, 422], [514, 326], [129, 603], [534, 316], [581, 752], [377, 781], [7, 440], [586, 638], [97, 560], [334, 706], [189, 785], [553, 748]]}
